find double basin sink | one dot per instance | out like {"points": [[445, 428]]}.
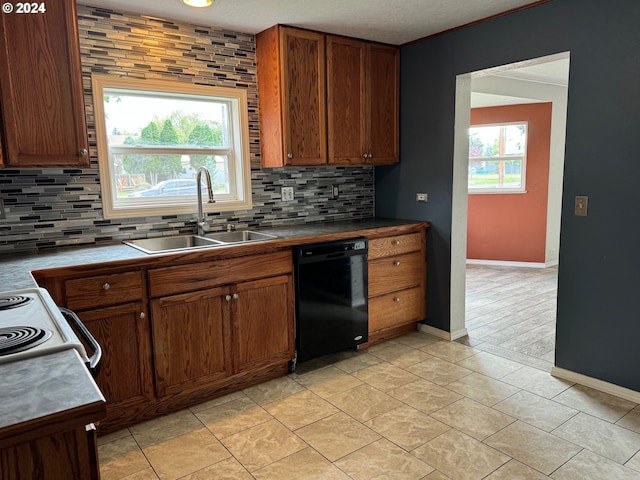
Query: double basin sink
{"points": [[192, 242]]}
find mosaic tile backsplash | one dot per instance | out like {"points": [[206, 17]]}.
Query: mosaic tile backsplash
{"points": [[56, 207]]}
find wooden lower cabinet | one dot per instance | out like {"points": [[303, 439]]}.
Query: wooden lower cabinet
{"points": [[191, 339], [124, 374]]}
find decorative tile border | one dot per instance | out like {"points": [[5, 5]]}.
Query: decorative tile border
{"points": [[56, 207]]}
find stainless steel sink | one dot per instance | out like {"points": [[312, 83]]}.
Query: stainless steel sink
{"points": [[240, 236], [172, 244]]}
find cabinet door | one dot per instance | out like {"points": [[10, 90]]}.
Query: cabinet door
{"points": [[346, 100], [191, 340], [41, 90], [263, 322], [304, 98], [382, 103], [124, 375]]}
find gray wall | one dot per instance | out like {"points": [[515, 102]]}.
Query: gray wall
{"points": [[598, 324], [57, 207]]}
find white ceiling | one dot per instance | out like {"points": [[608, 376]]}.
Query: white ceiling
{"points": [[389, 21]]}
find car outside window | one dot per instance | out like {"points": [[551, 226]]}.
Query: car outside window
{"points": [[152, 138]]}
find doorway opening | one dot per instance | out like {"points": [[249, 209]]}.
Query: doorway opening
{"points": [[478, 310]]}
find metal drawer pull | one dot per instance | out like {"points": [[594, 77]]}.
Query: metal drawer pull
{"points": [[106, 286], [396, 263], [235, 296], [142, 315], [395, 242], [227, 297], [396, 299], [83, 152], [289, 155]]}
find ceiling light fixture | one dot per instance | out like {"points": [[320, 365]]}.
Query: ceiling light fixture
{"points": [[198, 3]]}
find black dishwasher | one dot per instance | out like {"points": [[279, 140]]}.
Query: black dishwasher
{"points": [[331, 297]]}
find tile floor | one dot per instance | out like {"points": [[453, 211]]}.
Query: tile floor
{"points": [[414, 408]]}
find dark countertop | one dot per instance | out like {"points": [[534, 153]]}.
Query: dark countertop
{"points": [[15, 268], [49, 393]]}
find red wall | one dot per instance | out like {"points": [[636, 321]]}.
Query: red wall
{"points": [[512, 227]]}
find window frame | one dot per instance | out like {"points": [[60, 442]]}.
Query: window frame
{"points": [[237, 152], [504, 190]]}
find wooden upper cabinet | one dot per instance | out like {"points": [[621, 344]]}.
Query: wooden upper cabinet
{"points": [[382, 75], [41, 94], [346, 100], [292, 98]]}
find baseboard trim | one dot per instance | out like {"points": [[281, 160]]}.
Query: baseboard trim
{"points": [[436, 332], [596, 384], [505, 263]]}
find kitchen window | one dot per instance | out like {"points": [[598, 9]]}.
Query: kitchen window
{"points": [[152, 138], [497, 158]]}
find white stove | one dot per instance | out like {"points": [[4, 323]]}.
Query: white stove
{"points": [[31, 324]]}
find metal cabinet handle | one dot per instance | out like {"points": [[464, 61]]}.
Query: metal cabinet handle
{"points": [[227, 297], [396, 263], [106, 286], [396, 299], [370, 155], [395, 242], [289, 155], [235, 296], [364, 155], [142, 315], [83, 152]]}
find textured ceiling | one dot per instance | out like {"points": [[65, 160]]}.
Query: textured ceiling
{"points": [[390, 21]]}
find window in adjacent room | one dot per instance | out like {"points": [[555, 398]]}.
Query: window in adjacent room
{"points": [[497, 158], [154, 135]]}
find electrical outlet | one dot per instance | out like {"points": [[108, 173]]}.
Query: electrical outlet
{"points": [[335, 191], [286, 194], [422, 197], [3, 213]]}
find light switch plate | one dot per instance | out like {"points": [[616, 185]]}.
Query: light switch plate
{"points": [[582, 203], [422, 197], [287, 194]]}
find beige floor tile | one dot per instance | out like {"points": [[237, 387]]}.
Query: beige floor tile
{"points": [[385, 376], [228, 469], [537, 411], [483, 389], [439, 371], [513, 470], [233, 417], [537, 381], [337, 435], [460, 457], [424, 396], [263, 444], [407, 427], [399, 354], [599, 404], [436, 475], [450, 351], [120, 458], [473, 418], [631, 420], [382, 460], [273, 390], [306, 464], [603, 438], [590, 466], [490, 365], [533, 447], [300, 409], [364, 402], [163, 428], [417, 339], [328, 381], [185, 454], [214, 402], [110, 437], [357, 362], [634, 463], [146, 474]]}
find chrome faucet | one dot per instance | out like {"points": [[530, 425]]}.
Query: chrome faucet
{"points": [[202, 225]]}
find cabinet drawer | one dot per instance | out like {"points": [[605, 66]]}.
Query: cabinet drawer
{"points": [[197, 276], [103, 290], [395, 273], [397, 308], [396, 245]]}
